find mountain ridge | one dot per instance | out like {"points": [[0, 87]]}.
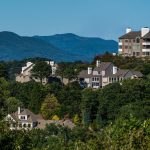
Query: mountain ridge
{"points": [[59, 47]]}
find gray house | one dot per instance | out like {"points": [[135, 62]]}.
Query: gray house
{"points": [[105, 73]]}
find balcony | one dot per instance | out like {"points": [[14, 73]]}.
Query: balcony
{"points": [[146, 43], [120, 43], [146, 50]]}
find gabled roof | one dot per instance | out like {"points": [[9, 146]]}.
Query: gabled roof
{"points": [[147, 36], [31, 117], [28, 67], [123, 73], [84, 74], [103, 66], [131, 35]]}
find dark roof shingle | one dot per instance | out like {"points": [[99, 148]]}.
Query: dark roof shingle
{"points": [[147, 36], [131, 35]]}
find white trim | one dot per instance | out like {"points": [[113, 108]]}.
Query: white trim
{"points": [[120, 43], [146, 43], [145, 50]]}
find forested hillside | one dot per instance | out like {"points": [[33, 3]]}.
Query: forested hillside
{"points": [[115, 117]]}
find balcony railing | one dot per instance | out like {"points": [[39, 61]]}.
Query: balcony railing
{"points": [[146, 43], [120, 43], [146, 50]]}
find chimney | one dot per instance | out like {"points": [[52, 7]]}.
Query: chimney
{"points": [[19, 110], [89, 70], [98, 63], [128, 30], [144, 31], [114, 69]]}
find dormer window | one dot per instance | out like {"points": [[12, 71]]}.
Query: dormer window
{"points": [[22, 117], [137, 40]]}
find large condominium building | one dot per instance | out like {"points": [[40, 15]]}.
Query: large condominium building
{"points": [[105, 73], [135, 43]]}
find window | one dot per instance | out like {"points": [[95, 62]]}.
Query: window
{"points": [[137, 53], [109, 79], [126, 40], [126, 47], [95, 79], [137, 40], [22, 117], [24, 125], [95, 84], [146, 53], [29, 125]]}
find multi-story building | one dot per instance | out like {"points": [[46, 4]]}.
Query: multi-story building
{"points": [[26, 75], [105, 73], [135, 43]]}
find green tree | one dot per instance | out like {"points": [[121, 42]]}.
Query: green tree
{"points": [[89, 104], [41, 70], [70, 73], [36, 97], [12, 104], [4, 94], [50, 106], [70, 99], [3, 71], [127, 134]]}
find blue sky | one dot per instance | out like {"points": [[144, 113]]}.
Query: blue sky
{"points": [[94, 18]]}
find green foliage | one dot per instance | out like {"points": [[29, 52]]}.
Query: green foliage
{"points": [[3, 71], [128, 134], [76, 119], [12, 104], [89, 105], [50, 106], [70, 99], [4, 94], [115, 117], [41, 70]]}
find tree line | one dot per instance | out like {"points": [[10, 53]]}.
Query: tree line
{"points": [[115, 117]]}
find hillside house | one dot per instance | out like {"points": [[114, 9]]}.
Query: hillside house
{"points": [[26, 75], [22, 119], [105, 73]]}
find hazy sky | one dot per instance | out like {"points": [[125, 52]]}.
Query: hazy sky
{"points": [[94, 18]]}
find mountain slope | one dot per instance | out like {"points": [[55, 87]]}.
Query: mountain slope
{"points": [[60, 47], [15, 47], [81, 45]]}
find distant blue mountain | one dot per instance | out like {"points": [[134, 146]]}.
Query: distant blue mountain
{"points": [[60, 47], [87, 47]]}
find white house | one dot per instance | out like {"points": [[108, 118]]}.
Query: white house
{"points": [[26, 76], [22, 119]]}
